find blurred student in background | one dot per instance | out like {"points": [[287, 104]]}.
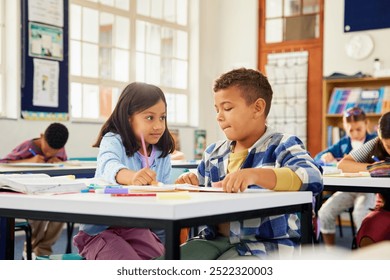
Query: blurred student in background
{"points": [[356, 127]]}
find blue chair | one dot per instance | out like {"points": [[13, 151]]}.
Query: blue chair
{"points": [[25, 226]]}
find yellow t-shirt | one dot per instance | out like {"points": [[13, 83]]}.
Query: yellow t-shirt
{"points": [[235, 162]]}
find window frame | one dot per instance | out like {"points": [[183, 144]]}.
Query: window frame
{"points": [[133, 17]]}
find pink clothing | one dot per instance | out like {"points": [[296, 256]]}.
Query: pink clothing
{"points": [[376, 226], [22, 152], [125, 244]]}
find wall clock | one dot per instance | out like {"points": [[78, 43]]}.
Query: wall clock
{"points": [[359, 46]]}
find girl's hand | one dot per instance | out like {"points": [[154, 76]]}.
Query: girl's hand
{"points": [[328, 157], [188, 178], [145, 176]]}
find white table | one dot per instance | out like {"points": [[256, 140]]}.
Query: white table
{"points": [[356, 184], [150, 212]]}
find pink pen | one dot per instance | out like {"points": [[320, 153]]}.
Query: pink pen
{"points": [[144, 148]]}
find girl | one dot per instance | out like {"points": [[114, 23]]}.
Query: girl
{"points": [[375, 227], [355, 125], [140, 112]]}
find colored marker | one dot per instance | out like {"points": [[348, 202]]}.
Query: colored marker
{"points": [[133, 194], [144, 148], [116, 190], [375, 159], [32, 152]]}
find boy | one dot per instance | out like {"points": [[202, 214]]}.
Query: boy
{"points": [[49, 147], [253, 155]]}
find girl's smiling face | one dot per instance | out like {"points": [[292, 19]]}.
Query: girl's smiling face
{"points": [[150, 122]]}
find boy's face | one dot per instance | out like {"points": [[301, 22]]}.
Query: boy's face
{"points": [[240, 122], [48, 151], [386, 144], [356, 130]]}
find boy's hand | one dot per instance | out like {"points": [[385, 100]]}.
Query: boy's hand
{"points": [[188, 178], [145, 176], [36, 159], [54, 160], [237, 181]]}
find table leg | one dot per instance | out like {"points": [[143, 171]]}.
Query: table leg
{"points": [[172, 241], [7, 238]]}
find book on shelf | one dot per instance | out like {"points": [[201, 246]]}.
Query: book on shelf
{"points": [[39, 184], [373, 100], [335, 133]]}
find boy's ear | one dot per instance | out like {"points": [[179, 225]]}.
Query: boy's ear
{"points": [[259, 107]]}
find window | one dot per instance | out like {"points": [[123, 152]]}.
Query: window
{"points": [[114, 42], [291, 20]]}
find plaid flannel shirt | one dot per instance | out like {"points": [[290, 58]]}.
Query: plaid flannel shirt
{"points": [[272, 150]]}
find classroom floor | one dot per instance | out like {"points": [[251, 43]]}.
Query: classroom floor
{"points": [[59, 247]]}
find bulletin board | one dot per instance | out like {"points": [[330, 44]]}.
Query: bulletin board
{"points": [[45, 62], [366, 15]]}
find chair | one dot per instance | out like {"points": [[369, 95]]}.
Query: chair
{"points": [[25, 226], [350, 211]]}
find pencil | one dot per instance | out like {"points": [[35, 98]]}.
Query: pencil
{"points": [[144, 148], [32, 152], [133, 194]]}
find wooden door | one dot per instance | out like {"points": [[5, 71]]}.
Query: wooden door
{"points": [[294, 40]]}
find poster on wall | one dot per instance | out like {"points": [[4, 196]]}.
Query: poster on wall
{"points": [[46, 11], [45, 41], [46, 76], [200, 143]]}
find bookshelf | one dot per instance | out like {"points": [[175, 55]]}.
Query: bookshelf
{"points": [[335, 120]]}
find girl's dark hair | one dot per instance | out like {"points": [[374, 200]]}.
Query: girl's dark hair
{"points": [[384, 131], [135, 98], [354, 114]]}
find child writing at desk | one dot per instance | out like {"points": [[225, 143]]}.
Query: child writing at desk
{"points": [[139, 117], [49, 147], [356, 125], [376, 225], [254, 155]]}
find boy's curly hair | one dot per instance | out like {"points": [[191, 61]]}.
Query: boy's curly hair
{"points": [[252, 84], [56, 135]]}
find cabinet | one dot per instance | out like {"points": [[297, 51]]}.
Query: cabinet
{"points": [[336, 119]]}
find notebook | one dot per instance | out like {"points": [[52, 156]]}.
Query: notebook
{"points": [[40, 184]]}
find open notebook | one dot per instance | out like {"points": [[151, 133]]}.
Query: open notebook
{"points": [[40, 184]]}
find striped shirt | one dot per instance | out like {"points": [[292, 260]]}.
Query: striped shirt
{"points": [[273, 150], [364, 153]]}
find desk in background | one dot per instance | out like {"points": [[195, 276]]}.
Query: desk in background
{"points": [[170, 215], [356, 184], [83, 170]]}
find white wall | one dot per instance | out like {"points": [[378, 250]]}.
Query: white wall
{"points": [[227, 39], [335, 58]]}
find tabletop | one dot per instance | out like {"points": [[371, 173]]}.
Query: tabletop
{"points": [[171, 214]]}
